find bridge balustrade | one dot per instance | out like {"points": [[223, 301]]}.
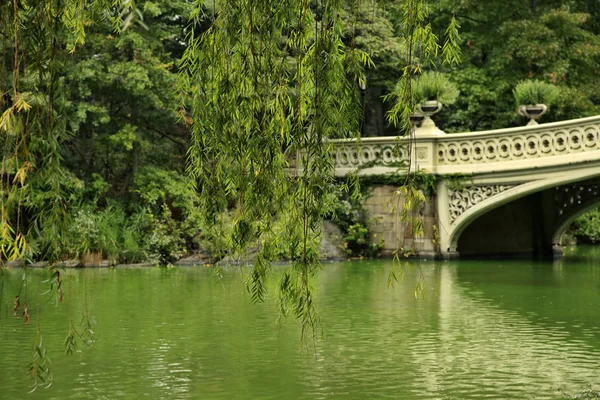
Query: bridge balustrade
{"points": [[433, 151], [531, 167]]}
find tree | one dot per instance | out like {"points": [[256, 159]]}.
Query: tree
{"points": [[368, 26], [122, 102], [273, 79], [269, 79], [35, 186], [265, 80], [543, 41], [116, 123]]}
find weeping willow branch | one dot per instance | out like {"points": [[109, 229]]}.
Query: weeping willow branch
{"points": [[269, 78], [35, 39], [32, 122], [422, 50]]}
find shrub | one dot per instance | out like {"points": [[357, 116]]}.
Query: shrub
{"points": [[159, 229], [587, 226], [433, 85], [163, 246], [529, 92], [359, 240], [106, 233], [170, 198]]}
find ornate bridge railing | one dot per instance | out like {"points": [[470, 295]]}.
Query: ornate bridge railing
{"points": [[526, 147], [377, 155]]}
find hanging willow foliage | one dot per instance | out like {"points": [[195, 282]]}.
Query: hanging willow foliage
{"points": [[35, 37], [270, 79], [421, 46]]}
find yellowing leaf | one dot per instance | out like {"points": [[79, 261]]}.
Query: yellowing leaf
{"points": [[21, 105]]}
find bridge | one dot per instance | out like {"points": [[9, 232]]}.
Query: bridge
{"points": [[506, 192]]}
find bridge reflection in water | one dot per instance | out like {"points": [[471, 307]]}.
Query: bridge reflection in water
{"points": [[511, 330]]}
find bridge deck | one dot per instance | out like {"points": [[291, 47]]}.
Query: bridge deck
{"points": [[512, 149]]}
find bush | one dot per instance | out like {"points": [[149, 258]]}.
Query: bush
{"points": [[351, 218], [433, 85], [586, 228], [361, 242], [107, 233], [163, 244], [530, 92], [169, 197], [158, 229]]}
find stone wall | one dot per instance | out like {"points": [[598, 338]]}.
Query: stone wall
{"points": [[378, 206]]}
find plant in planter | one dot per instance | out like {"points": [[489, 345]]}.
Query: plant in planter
{"points": [[430, 91], [534, 97]]}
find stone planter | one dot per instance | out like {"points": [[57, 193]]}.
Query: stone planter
{"points": [[417, 118], [430, 107], [427, 109], [533, 112]]}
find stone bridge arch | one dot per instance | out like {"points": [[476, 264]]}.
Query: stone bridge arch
{"points": [[579, 200], [543, 206]]}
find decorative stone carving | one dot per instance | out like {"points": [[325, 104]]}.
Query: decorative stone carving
{"points": [[460, 200], [519, 145], [351, 156], [458, 150]]}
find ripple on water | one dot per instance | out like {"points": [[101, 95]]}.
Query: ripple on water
{"points": [[176, 334]]}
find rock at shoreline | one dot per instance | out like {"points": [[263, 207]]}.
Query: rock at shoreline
{"points": [[194, 259], [331, 242], [38, 264], [69, 264], [16, 263]]}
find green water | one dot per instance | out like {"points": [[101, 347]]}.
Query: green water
{"points": [[496, 329]]}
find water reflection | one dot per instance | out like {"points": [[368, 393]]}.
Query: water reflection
{"points": [[508, 330], [500, 347]]}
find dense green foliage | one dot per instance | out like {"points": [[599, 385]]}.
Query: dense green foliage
{"points": [[115, 150], [535, 92], [433, 85], [104, 101], [505, 42], [586, 228]]}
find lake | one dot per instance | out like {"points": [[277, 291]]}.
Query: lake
{"points": [[483, 329]]}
